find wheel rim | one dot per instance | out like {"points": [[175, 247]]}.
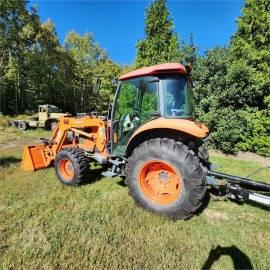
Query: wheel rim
{"points": [[66, 169], [160, 182]]}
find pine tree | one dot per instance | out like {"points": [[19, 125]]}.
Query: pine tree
{"points": [[250, 49], [161, 43]]}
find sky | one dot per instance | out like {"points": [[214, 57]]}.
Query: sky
{"points": [[118, 25]]}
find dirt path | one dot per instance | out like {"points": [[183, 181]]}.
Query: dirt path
{"points": [[20, 143]]}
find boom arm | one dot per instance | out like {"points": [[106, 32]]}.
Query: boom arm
{"points": [[88, 133], [240, 188]]}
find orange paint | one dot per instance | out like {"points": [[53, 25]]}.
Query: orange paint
{"points": [[34, 158], [66, 169], [168, 68], [92, 132], [182, 125], [160, 182]]}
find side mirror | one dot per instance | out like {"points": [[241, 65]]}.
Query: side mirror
{"points": [[115, 81], [109, 109], [96, 86]]}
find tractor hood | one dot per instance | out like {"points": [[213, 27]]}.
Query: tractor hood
{"points": [[186, 126]]}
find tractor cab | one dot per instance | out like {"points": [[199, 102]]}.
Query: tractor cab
{"points": [[146, 94]]}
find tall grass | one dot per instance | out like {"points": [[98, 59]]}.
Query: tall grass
{"points": [[3, 122]]}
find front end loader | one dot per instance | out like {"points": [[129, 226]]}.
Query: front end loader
{"points": [[151, 139]]}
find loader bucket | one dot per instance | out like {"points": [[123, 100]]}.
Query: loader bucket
{"points": [[33, 158]]}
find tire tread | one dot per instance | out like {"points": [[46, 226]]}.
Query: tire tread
{"points": [[80, 162], [192, 173]]}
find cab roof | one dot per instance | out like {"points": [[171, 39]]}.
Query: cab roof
{"points": [[167, 68]]}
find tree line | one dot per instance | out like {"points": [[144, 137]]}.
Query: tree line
{"points": [[35, 68], [231, 85]]}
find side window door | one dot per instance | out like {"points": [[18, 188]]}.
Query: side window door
{"points": [[136, 101], [150, 99], [126, 114], [43, 114]]}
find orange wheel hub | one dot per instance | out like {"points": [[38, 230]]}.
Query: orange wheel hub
{"points": [[67, 169], [160, 181]]}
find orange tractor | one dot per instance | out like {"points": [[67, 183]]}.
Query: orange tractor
{"points": [[150, 138]]}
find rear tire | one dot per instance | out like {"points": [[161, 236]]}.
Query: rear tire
{"points": [[203, 154], [22, 126], [72, 166], [175, 180]]}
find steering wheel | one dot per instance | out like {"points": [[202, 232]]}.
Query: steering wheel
{"points": [[128, 122]]}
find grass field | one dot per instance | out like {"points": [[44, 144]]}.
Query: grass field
{"points": [[44, 225]]}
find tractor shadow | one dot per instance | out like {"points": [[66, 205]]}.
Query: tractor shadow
{"points": [[95, 175], [122, 182], [240, 259], [8, 161], [203, 206]]}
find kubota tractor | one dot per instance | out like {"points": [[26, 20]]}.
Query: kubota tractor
{"points": [[150, 138]]}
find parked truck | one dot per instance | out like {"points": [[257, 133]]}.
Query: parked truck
{"points": [[48, 116]]}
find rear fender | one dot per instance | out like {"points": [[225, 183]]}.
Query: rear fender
{"points": [[178, 129]]}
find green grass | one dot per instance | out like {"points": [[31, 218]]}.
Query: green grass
{"points": [[11, 136], [44, 225]]}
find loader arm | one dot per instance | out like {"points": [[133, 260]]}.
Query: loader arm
{"points": [[87, 133]]}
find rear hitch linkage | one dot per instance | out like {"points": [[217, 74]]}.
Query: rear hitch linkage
{"points": [[241, 189]]}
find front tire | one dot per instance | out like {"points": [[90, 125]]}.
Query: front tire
{"points": [[165, 177], [72, 166]]}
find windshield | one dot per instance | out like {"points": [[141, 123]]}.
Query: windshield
{"points": [[177, 97], [53, 109], [136, 101]]}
